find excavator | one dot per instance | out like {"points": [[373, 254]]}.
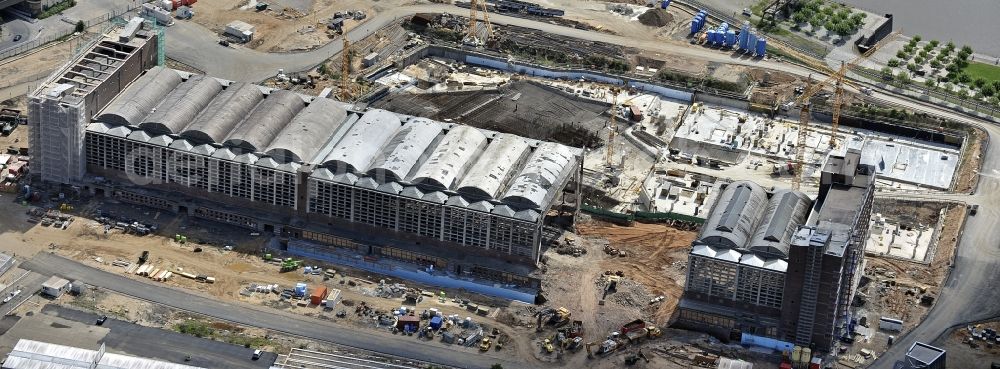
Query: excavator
{"points": [[557, 317]]}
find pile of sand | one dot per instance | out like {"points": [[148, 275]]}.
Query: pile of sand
{"points": [[656, 18]]}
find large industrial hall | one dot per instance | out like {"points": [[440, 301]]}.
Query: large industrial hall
{"points": [[303, 167]]}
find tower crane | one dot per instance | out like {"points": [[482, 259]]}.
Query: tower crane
{"points": [[613, 124], [836, 78], [472, 34], [345, 71]]}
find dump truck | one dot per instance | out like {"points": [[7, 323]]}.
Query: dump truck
{"points": [[633, 325], [637, 335], [485, 344]]}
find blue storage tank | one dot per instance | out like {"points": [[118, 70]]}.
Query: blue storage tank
{"points": [[744, 39], [695, 25], [730, 38], [752, 42], [664, 4], [761, 47], [710, 36]]}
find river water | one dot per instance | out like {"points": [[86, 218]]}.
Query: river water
{"points": [[966, 22]]}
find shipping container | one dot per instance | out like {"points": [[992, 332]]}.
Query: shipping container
{"points": [[318, 294]]}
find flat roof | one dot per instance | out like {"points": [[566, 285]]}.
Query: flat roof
{"points": [[28, 354], [924, 353]]}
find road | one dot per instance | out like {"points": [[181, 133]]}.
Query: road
{"points": [[137, 340], [29, 283], [969, 293], [272, 319], [197, 46], [15, 27]]}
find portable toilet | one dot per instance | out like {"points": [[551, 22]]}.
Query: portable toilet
{"points": [[730, 38], [664, 4]]}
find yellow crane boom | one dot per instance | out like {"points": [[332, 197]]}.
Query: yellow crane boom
{"points": [[837, 79]]}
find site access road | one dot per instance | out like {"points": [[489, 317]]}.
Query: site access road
{"points": [[272, 319]]}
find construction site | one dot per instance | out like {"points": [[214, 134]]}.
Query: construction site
{"points": [[487, 190]]}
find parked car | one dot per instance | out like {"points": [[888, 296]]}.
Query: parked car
{"points": [[256, 354], [102, 319], [224, 43], [17, 38], [11, 296]]}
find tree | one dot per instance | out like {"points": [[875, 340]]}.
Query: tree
{"points": [[80, 26], [924, 54], [966, 50], [979, 82], [903, 77], [948, 87], [988, 90], [919, 60], [963, 93], [964, 78], [928, 47], [816, 21], [996, 85], [800, 18], [936, 64], [893, 62], [496, 366], [995, 100], [908, 48], [934, 43], [949, 46], [902, 55], [887, 73], [930, 82], [916, 39], [912, 67]]}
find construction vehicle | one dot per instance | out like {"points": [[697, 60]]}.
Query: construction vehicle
{"points": [[574, 330], [560, 317], [501, 341], [547, 345], [572, 344], [144, 257], [289, 265], [634, 358], [485, 344], [633, 325], [637, 335], [557, 317]]}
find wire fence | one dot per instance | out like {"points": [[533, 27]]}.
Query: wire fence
{"points": [[62, 33]]}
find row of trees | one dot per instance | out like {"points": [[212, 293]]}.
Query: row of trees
{"points": [[834, 17], [949, 58]]}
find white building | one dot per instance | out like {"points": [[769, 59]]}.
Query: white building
{"points": [[55, 286], [28, 354], [241, 30]]}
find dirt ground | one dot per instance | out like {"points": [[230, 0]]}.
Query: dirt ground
{"points": [[656, 254], [968, 172], [280, 28], [963, 353], [895, 287]]}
